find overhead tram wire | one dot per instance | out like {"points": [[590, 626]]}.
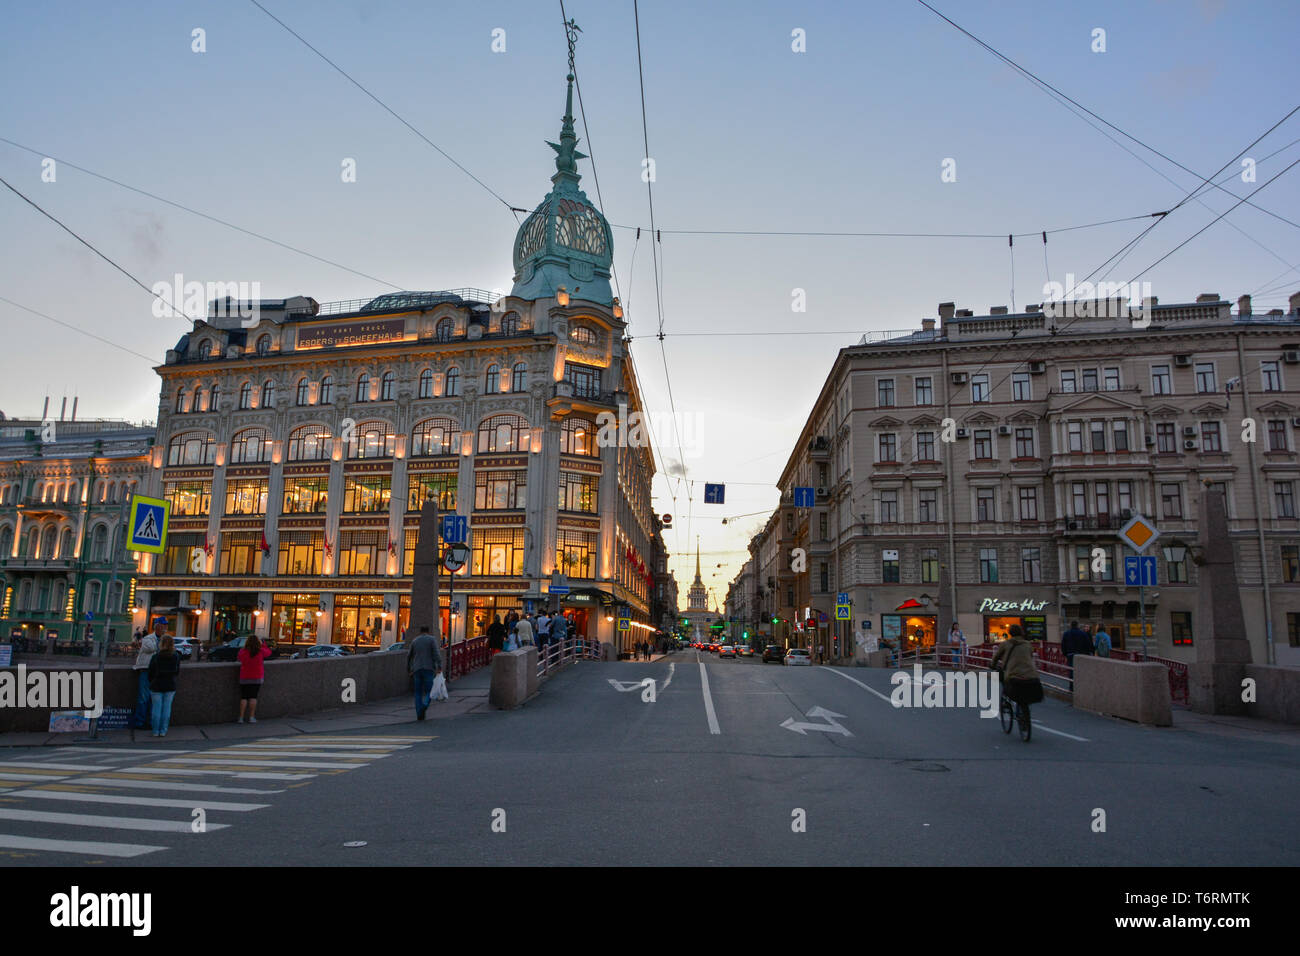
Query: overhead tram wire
{"points": [[68, 325]]}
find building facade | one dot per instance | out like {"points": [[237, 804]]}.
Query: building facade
{"points": [[297, 445], [990, 462]]}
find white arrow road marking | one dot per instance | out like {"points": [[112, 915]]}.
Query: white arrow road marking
{"points": [[1061, 733], [672, 668], [802, 727], [838, 673], [624, 685], [708, 701]]}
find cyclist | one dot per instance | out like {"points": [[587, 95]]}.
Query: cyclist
{"points": [[1015, 658]]}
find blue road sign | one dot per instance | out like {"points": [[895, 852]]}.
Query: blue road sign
{"points": [[842, 597], [843, 612], [714, 494], [454, 528], [1140, 570], [805, 497]]}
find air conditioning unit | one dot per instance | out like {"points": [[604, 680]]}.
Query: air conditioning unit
{"points": [[1004, 429], [1189, 431], [1183, 361], [1291, 356], [1126, 514], [822, 492], [1037, 368], [959, 378], [1071, 525], [1151, 440], [1189, 446], [963, 433]]}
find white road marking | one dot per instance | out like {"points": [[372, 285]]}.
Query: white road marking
{"points": [[33, 777], [88, 847], [169, 785], [708, 701], [33, 794], [1061, 733], [45, 765], [317, 748], [245, 774], [249, 761], [258, 752], [832, 726], [672, 668], [105, 823], [838, 673], [116, 750]]}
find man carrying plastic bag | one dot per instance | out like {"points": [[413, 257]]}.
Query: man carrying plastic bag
{"points": [[424, 664]]}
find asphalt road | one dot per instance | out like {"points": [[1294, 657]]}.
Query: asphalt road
{"points": [[590, 772]]}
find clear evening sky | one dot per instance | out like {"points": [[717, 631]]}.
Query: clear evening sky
{"points": [[746, 135]]}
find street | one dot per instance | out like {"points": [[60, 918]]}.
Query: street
{"points": [[733, 762]]}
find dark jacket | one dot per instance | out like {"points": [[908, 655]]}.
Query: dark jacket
{"points": [[496, 635], [163, 669], [1075, 641]]}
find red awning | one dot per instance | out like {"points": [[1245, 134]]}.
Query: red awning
{"points": [[909, 605]]}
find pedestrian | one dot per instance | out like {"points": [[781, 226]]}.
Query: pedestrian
{"points": [[956, 642], [423, 662], [252, 672], [1075, 641], [496, 635], [163, 668], [524, 632], [543, 630], [149, 644], [1101, 642], [559, 629]]}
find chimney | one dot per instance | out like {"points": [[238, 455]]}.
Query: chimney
{"points": [[74, 407], [946, 310], [1243, 305], [1206, 297], [927, 325], [964, 313], [1035, 308], [1294, 302], [997, 310]]}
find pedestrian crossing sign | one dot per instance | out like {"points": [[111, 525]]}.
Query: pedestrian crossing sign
{"points": [[148, 524]]}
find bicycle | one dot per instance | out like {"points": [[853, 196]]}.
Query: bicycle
{"points": [[1010, 712]]}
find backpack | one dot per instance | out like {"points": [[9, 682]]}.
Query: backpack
{"points": [[1103, 644]]}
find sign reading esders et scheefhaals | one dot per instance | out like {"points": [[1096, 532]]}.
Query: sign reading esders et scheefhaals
{"points": [[343, 334]]}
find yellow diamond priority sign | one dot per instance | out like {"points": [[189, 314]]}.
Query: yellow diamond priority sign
{"points": [[1139, 533]]}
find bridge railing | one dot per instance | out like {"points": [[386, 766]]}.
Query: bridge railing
{"points": [[467, 656], [557, 654]]}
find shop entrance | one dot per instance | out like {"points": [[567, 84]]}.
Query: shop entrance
{"points": [[999, 628], [910, 631]]}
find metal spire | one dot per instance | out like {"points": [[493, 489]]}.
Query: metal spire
{"points": [[566, 152]]}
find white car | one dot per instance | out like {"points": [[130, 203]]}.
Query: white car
{"points": [[798, 655]]}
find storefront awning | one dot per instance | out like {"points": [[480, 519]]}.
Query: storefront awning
{"points": [[910, 604]]}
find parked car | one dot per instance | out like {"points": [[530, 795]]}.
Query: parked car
{"points": [[185, 647], [744, 650], [726, 650], [229, 651], [399, 646], [773, 652], [798, 655], [328, 650]]}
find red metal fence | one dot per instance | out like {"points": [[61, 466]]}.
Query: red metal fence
{"points": [[554, 655], [1051, 662], [467, 656]]}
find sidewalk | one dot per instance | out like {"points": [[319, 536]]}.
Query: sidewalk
{"points": [[468, 694]]}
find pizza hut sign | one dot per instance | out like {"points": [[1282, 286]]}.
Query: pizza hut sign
{"points": [[995, 606]]}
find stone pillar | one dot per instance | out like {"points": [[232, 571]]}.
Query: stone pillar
{"points": [[1222, 649], [424, 578]]}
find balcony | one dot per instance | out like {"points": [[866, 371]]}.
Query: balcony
{"points": [[37, 564], [819, 448], [568, 397], [1090, 523], [35, 507]]}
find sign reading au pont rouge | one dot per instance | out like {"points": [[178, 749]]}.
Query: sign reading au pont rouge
{"points": [[343, 334]]}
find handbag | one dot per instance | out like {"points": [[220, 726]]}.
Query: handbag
{"points": [[439, 689]]}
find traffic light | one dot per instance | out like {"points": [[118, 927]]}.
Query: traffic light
{"points": [[774, 620], [745, 634]]}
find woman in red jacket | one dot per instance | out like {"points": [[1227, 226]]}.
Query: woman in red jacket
{"points": [[252, 672]]}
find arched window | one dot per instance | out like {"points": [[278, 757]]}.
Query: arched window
{"points": [[250, 445], [578, 437], [387, 387], [453, 382], [6, 542], [196, 404], [246, 395], [309, 443], [47, 544], [582, 335], [264, 345], [182, 401], [435, 436], [492, 380], [363, 387], [373, 439], [204, 349], [510, 323], [268, 394], [99, 543], [445, 329], [214, 396], [65, 545], [60, 595], [192, 448], [304, 390], [519, 377], [503, 433], [33, 540], [426, 383], [327, 390], [91, 601]]}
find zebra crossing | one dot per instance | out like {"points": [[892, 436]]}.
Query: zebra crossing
{"points": [[102, 803]]}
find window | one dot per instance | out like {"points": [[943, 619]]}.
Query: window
{"points": [[363, 387], [519, 377], [246, 395], [503, 433], [1284, 497], [578, 437], [1205, 377], [1031, 566], [582, 335], [1028, 504], [361, 552], [435, 436], [268, 395], [925, 446], [1176, 571], [192, 448], [426, 383], [1293, 629], [498, 490], [1290, 563], [510, 323], [924, 390], [930, 566], [575, 553], [214, 396], [1180, 625], [1119, 431], [492, 380], [264, 345], [1090, 380], [250, 445], [1078, 499], [885, 392], [1211, 439], [182, 401], [888, 507], [409, 538], [1277, 435], [1110, 379], [365, 494], [578, 491], [979, 388], [387, 387], [1171, 500], [1102, 492], [300, 552], [304, 390], [1161, 383], [179, 554], [1124, 492], [1166, 439], [246, 496], [371, 440], [1067, 380], [189, 498], [989, 565], [309, 443], [1024, 443], [1074, 436], [985, 504], [453, 382], [889, 573], [1098, 429], [327, 390], [305, 495], [446, 328], [501, 552], [1082, 562], [197, 404], [983, 443], [441, 485], [1021, 387], [822, 528], [889, 447], [1270, 377], [241, 553], [584, 379], [927, 505]]}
